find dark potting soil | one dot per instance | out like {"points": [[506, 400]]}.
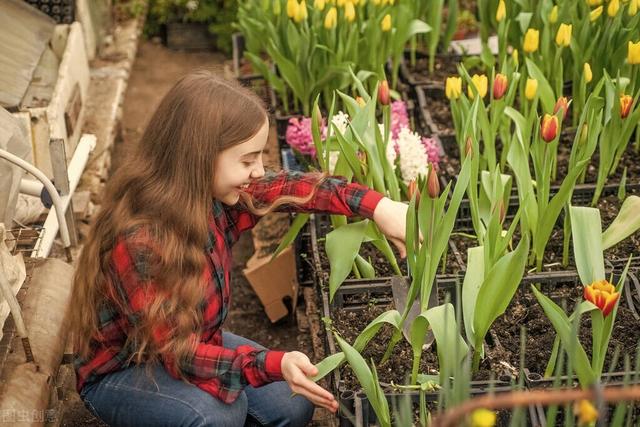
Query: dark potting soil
{"points": [[525, 310], [440, 112], [397, 369]]}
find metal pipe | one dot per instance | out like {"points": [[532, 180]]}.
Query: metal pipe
{"points": [[75, 168], [57, 200]]}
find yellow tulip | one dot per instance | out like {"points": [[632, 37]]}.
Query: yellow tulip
{"points": [[292, 8], [626, 101], [588, 75], [376, 2], [595, 13], [502, 11], [349, 11], [481, 84], [531, 88], [301, 13], [453, 87], [331, 19], [341, 3], [386, 23], [633, 55], [585, 411], [319, 4], [553, 16], [593, 3], [483, 418], [563, 36], [603, 295], [514, 55], [531, 40], [612, 9], [633, 7]]}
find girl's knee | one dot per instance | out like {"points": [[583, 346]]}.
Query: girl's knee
{"points": [[231, 415], [301, 411]]}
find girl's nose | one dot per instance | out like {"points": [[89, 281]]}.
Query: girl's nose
{"points": [[258, 171]]}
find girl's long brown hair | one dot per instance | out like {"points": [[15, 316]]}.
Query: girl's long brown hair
{"points": [[165, 184]]}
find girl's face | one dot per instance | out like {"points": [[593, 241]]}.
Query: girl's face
{"points": [[236, 166]]}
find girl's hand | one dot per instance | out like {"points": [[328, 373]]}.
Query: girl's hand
{"points": [[391, 219], [296, 370]]}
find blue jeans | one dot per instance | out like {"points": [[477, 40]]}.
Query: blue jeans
{"points": [[129, 397]]}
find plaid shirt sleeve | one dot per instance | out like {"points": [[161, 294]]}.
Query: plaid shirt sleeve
{"points": [[222, 372], [334, 196]]}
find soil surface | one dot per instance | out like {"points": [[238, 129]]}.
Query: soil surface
{"points": [[155, 70]]}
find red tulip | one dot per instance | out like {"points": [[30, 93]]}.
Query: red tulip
{"points": [[500, 84], [433, 184], [603, 295], [549, 128], [625, 105], [383, 93], [563, 103]]}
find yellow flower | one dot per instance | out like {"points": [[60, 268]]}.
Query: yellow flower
{"points": [[331, 19], [595, 13], [301, 13], [502, 11], [531, 88], [585, 411], [626, 101], [341, 3], [612, 9], [531, 40], [386, 23], [481, 84], [349, 11], [453, 87], [376, 2], [483, 418], [563, 36], [633, 7], [603, 295], [319, 4], [553, 16], [514, 55], [633, 55], [588, 75], [593, 3], [292, 8]]}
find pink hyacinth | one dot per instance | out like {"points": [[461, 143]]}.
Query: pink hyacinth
{"points": [[299, 135], [433, 150], [399, 118]]}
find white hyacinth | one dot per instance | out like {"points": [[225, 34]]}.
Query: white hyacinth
{"points": [[413, 157], [333, 160], [341, 120], [192, 5]]}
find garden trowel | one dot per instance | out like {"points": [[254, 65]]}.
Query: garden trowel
{"points": [[400, 289]]}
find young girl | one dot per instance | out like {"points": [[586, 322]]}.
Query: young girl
{"points": [[151, 291]]}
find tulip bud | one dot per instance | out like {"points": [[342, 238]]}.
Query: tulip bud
{"points": [[549, 128], [530, 89], [612, 9], [563, 36], [318, 115], [292, 8], [301, 13], [584, 134], [501, 12], [500, 84], [514, 55], [349, 11], [276, 8], [341, 3], [603, 295], [433, 184], [586, 413], [386, 23], [503, 212], [480, 82], [625, 105], [563, 103], [360, 101], [468, 149], [453, 87], [413, 189], [383, 93], [531, 40], [595, 13], [633, 7], [593, 3], [633, 53], [588, 75], [319, 5], [331, 19], [553, 15]]}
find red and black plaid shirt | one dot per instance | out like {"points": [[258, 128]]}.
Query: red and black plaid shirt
{"points": [[217, 370]]}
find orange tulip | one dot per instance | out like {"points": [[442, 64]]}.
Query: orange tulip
{"points": [[413, 189], [603, 295], [625, 105], [549, 127], [433, 184], [500, 84], [383, 93], [563, 103]]}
